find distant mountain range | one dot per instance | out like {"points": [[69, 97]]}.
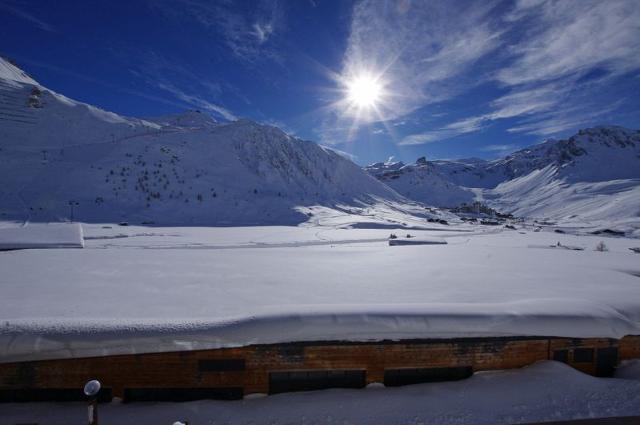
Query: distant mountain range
{"points": [[61, 158], [589, 177]]}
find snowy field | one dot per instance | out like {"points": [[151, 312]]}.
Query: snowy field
{"points": [[141, 289], [545, 391]]}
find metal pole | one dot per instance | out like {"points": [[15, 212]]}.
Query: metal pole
{"points": [[93, 411]]}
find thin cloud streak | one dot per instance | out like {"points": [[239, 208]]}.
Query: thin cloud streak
{"points": [[159, 72], [543, 55], [196, 101], [246, 35], [569, 37], [18, 9], [500, 149]]}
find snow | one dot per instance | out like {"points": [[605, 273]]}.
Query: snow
{"points": [[421, 182], [629, 369], [135, 289], [546, 391], [10, 72], [612, 203], [39, 235]]}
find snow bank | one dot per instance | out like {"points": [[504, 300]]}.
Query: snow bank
{"points": [[546, 391], [629, 369], [39, 235]]}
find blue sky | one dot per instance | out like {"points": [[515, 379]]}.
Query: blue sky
{"points": [[455, 78]]}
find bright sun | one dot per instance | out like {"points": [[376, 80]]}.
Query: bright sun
{"points": [[364, 91]]}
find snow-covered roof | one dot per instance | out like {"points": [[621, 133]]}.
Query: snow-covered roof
{"points": [[40, 235]]}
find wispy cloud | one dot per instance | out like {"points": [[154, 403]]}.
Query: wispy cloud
{"points": [[456, 128], [137, 93], [500, 149], [568, 37], [262, 31], [565, 44], [196, 101], [20, 9], [183, 84], [246, 32], [421, 57], [549, 62], [553, 122]]}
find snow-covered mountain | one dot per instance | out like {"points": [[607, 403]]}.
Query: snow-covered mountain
{"points": [[421, 182], [593, 176], [594, 154], [61, 158]]}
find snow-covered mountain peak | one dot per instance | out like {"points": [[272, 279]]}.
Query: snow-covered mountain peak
{"points": [[609, 136], [421, 182], [11, 72]]}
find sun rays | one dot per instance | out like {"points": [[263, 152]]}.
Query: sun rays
{"points": [[364, 91]]}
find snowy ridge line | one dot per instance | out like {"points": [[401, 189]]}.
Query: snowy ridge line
{"points": [[42, 338]]}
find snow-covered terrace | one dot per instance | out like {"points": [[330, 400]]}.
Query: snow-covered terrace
{"points": [[140, 289]]}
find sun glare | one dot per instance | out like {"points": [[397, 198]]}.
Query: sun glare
{"points": [[364, 91]]}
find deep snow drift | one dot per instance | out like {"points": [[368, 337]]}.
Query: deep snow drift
{"points": [[547, 391], [137, 289], [58, 154]]}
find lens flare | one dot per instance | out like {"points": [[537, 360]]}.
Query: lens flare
{"points": [[364, 91]]}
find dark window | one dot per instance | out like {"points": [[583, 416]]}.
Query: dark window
{"points": [[607, 361], [583, 355], [292, 353], [561, 356], [280, 382], [50, 394], [408, 376], [221, 365], [182, 394]]}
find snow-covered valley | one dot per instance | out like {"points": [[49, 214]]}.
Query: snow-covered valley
{"points": [[591, 178]]}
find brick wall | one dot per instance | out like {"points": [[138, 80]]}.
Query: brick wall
{"points": [[230, 373]]}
